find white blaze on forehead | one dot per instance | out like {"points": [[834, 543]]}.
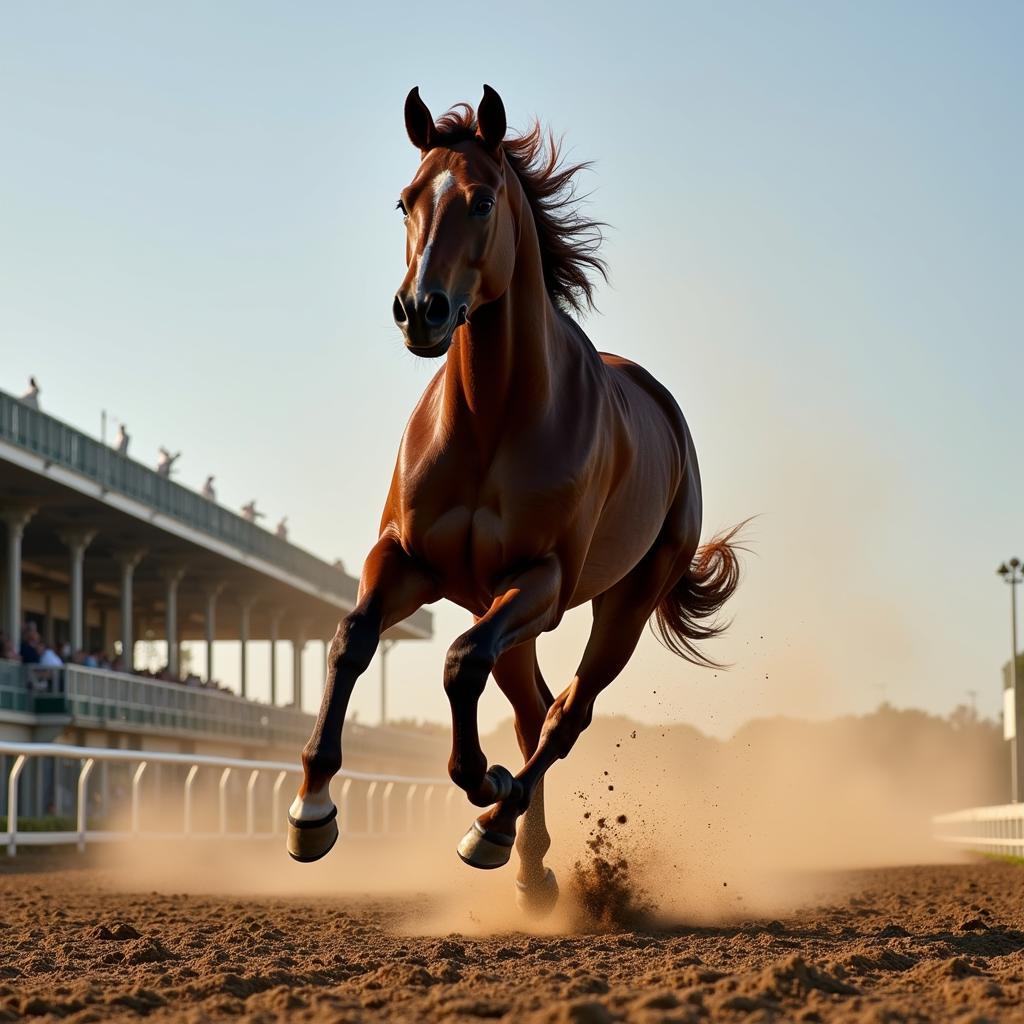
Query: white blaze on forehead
{"points": [[442, 183]]}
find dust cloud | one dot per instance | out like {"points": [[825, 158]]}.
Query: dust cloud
{"points": [[649, 824]]}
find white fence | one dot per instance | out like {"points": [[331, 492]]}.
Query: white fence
{"points": [[392, 803], [997, 830]]}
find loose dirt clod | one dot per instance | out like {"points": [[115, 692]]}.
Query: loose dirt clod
{"points": [[605, 891]]}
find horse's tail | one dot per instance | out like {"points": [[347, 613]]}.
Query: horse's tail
{"points": [[687, 613]]}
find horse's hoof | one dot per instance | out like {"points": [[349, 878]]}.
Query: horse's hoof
{"points": [[538, 899], [482, 848], [310, 840]]}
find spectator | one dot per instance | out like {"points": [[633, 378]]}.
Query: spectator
{"points": [[282, 528], [122, 439], [48, 657], [208, 492], [30, 644], [339, 565], [250, 513], [31, 397], [166, 462]]}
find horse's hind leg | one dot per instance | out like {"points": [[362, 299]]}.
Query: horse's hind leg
{"points": [[620, 615], [392, 588], [518, 675]]}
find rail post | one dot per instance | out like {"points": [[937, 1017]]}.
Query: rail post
{"points": [[222, 788], [428, 797], [346, 788], [189, 779], [136, 789], [281, 776], [385, 808], [370, 790], [250, 802], [409, 794], [12, 804], [83, 800]]}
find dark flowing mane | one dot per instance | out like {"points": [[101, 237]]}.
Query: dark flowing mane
{"points": [[569, 242]]}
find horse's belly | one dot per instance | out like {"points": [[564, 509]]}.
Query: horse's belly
{"points": [[628, 526]]}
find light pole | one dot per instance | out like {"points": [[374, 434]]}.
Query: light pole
{"points": [[1013, 576]]}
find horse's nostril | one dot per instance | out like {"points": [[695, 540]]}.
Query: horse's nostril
{"points": [[399, 311], [438, 310]]}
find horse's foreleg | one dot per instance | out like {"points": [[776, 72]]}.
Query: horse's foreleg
{"points": [[524, 607], [392, 587], [620, 616], [518, 675]]}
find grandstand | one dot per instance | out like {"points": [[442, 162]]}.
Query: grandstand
{"points": [[100, 551]]}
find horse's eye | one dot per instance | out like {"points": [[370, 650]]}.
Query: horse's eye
{"points": [[401, 206], [483, 206]]}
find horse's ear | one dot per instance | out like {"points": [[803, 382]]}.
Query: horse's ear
{"points": [[419, 122], [490, 118]]}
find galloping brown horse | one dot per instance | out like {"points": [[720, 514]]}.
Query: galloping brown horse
{"points": [[535, 474]]}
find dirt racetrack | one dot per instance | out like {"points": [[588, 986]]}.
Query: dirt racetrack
{"points": [[942, 942]]}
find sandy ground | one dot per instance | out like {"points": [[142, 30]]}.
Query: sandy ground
{"points": [[941, 942]]}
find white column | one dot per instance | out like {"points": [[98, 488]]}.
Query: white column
{"points": [[129, 561], [275, 628], [172, 577], [77, 541], [212, 594], [243, 638], [15, 518], [298, 644]]}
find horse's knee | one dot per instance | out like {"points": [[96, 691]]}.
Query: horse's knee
{"points": [[466, 668], [355, 642]]}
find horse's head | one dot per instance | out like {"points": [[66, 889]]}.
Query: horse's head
{"points": [[460, 230]]}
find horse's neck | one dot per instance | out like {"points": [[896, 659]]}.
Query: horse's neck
{"points": [[508, 360]]}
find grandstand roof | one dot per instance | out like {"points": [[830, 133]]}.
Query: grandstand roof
{"points": [[74, 482]]}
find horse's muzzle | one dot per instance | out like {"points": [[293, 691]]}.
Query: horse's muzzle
{"points": [[428, 325]]}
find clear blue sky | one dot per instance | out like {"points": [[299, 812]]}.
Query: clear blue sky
{"points": [[817, 244]]}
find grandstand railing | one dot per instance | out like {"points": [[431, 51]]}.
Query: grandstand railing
{"points": [[58, 443], [997, 830], [101, 698], [104, 698], [391, 804], [15, 694]]}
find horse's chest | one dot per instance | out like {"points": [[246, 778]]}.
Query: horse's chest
{"points": [[460, 537], [472, 541]]}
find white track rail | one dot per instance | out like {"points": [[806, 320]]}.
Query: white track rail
{"points": [[995, 830], [382, 793]]}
